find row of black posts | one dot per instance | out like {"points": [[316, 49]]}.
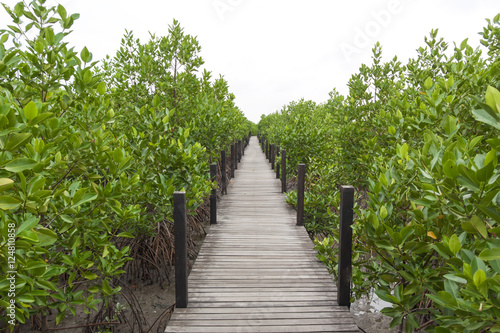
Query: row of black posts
{"points": [[346, 216], [180, 221]]}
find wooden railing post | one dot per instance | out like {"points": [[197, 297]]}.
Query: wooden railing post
{"points": [[240, 146], [277, 166], [345, 245], [180, 235], [213, 195], [232, 161], [273, 154], [300, 194], [283, 171], [267, 150], [235, 156], [223, 172], [243, 145]]}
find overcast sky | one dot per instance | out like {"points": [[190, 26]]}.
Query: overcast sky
{"points": [[276, 51]]}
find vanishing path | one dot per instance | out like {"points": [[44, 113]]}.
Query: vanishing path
{"points": [[257, 271]]}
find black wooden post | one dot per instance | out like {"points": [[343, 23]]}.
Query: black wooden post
{"points": [[345, 245], [181, 270], [233, 166], [283, 171], [223, 172], [239, 151], [267, 150], [243, 145], [273, 154], [213, 195], [300, 194], [277, 166], [235, 156]]}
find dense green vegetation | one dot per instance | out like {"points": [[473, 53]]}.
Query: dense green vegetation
{"points": [[90, 155], [420, 142]]}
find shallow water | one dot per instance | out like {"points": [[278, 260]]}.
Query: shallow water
{"points": [[368, 317]]}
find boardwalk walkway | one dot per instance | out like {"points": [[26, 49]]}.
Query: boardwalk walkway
{"points": [[256, 270]]}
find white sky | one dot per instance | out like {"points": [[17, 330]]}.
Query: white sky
{"points": [[276, 51]]}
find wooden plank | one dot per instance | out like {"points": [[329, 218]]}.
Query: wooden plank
{"points": [[270, 321], [259, 316], [263, 304], [257, 271], [277, 309], [265, 329], [295, 290]]}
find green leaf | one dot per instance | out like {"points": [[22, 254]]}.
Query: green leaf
{"points": [[118, 155], [60, 316], [383, 212], [86, 198], [7, 202], [87, 76], [29, 224], [170, 190], [383, 179], [404, 151], [455, 278], [450, 169], [487, 117], [125, 235], [101, 88], [49, 36], [89, 275], [493, 98], [479, 277], [450, 82], [125, 164], [62, 12], [30, 110], [46, 236], [454, 244], [106, 288], [428, 83], [451, 125], [479, 225], [383, 244], [17, 140], [86, 55], [20, 165], [156, 101], [491, 157], [41, 117], [490, 254], [6, 183], [484, 174]]}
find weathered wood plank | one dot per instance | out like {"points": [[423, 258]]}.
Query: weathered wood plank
{"points": [[260, 310], [265, 329], [257, 271]]}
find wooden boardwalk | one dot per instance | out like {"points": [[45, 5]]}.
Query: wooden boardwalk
{"points": [[257, 271]]}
